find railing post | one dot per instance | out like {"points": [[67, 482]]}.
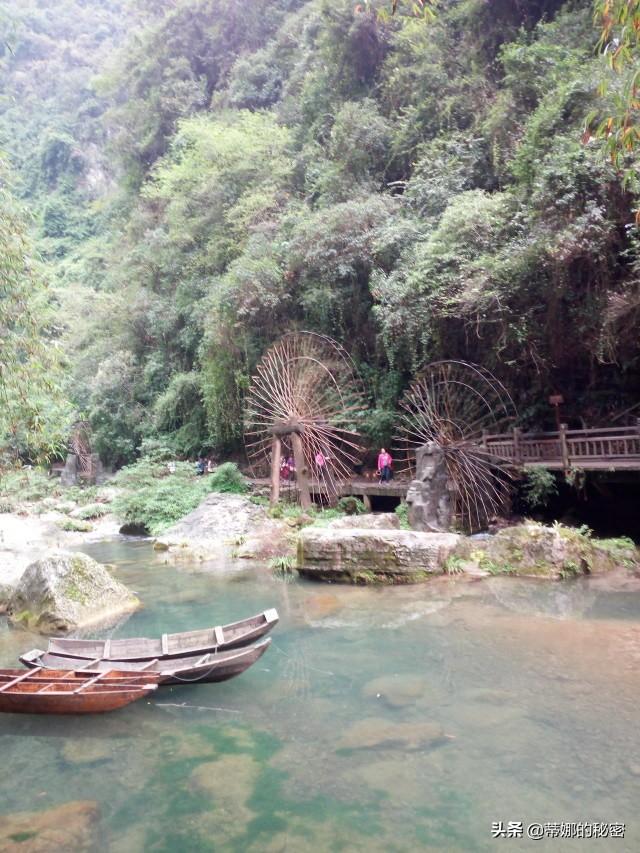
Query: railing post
{"points": [[564, 449], [483, 440], [516, 445]]}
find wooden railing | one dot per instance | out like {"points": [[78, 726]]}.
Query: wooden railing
{"points": [[568, 448]]}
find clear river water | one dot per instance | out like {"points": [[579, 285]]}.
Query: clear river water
{"points": [[381, 719]]}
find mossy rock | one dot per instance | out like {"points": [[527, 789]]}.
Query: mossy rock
{"points": [[556, 552], [372, 556], [66, 591]]}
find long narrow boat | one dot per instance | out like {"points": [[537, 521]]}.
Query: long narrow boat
{"points": [[214, 666], [49, 691], [220, 638]]}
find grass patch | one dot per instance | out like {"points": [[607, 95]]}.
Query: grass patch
{"points": [[453, 565], [26, 484], [91, 511], [74, 525], [282, 567]]}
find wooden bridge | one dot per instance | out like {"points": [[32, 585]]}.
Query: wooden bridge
{"points": [[608, 449]]}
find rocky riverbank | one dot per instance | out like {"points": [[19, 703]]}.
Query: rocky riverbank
{"points": [[362, 554]]}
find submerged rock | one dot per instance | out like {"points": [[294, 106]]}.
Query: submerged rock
{"points": [[375, 733], [70, 827], [66, 591], [230, 783], [373, 556], [224, 524]]}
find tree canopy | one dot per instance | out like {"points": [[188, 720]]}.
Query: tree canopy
{"points": [[413, 179]]}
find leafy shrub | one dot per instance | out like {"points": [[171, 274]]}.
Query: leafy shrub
{"points": [[81, 494], [155, 496], [159, 505], [351, 506], [74, 525], [539, 487], [227, 478], [92, 511], [402, 511]]}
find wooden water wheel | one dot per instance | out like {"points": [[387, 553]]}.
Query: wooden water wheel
{"points": [[449, 407], [305, 395]]}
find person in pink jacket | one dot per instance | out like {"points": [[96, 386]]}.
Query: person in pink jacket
{"points": [[384, 466]]}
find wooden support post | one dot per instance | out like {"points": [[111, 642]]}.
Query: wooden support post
{"points": [[564, 449], [302, 474], [366, 500], [516, 446], [276, 456]]}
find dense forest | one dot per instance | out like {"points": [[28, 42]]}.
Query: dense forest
{"points": [[185, 180]]}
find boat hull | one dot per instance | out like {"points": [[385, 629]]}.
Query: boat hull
{"points": [[169, 646], [196, 669], [41, 691]]}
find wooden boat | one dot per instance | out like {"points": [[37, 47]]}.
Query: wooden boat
{"points": [[214, 666], [50, 691], [220, 638]]}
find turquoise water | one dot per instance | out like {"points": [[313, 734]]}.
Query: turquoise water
{"points": [[499, 700]]}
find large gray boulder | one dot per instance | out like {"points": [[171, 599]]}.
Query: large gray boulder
{"points": [[224, 525], [372, 556], [66, 591]]}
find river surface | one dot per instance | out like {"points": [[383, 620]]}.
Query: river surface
{"points": [[391, 719]]}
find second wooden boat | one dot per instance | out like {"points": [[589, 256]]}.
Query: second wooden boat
{"points": [[220, 638], [47, 691], [215, 666]]}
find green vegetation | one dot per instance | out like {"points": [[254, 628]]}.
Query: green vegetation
{"points": [[156, 494], [201, 178], [26, 484], [539, 487], [402, 511], [350, 506], [75, 525], [283, 567], [91, 511], [226, 478]]}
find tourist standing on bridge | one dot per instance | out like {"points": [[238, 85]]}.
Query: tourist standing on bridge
{"points": [[384, 466]]}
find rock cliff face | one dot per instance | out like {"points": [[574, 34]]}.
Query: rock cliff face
{"points": [[66, 591], [372, 556]]}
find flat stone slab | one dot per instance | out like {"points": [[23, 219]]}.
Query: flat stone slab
{"points": [[372, 556]]}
